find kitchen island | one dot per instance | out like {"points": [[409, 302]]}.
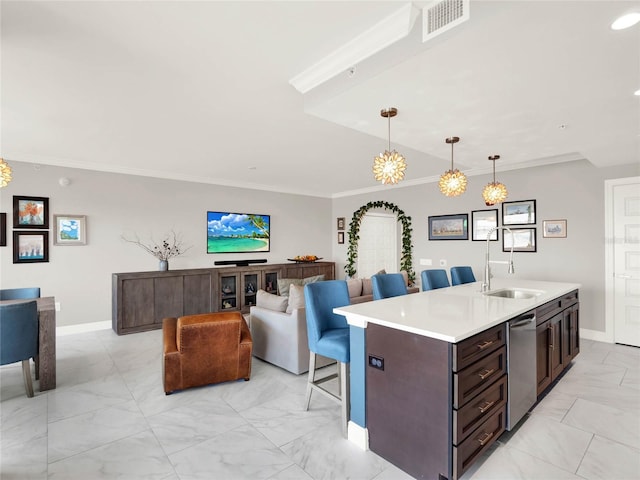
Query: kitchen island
{"points": [[429, 371]]}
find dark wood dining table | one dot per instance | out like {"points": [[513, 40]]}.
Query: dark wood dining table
{"points": [[46, 339]]}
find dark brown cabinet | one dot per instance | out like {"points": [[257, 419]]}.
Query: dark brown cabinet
{"points": [[571, 336], [140, 300], [435, 407], [479, 366], [558, 338]]}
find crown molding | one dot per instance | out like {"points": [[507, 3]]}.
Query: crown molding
{"points": [[384, 33]]}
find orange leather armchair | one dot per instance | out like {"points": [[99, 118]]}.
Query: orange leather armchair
{"points": [[204, 349]]}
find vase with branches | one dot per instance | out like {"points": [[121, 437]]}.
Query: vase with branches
{"points": [[170, 246]]}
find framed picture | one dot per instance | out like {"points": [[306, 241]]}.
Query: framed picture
{"points": [[341, 223], [70, 229], [449, 227], [554, 229], [481, 222], [30, 247], [340, 237], [524, 240], [519, 213], [3, 229], [30, 212]]}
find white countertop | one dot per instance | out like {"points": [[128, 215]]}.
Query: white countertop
{"points": [[455, 313]]}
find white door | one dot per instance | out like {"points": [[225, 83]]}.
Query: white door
{"points": [[378, 244], [626, 263]]}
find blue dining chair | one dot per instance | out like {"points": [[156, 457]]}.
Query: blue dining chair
{"points": [[460, 275], [19, 337], [328, 335], [434, 278], [386, 285], [19, 293]]}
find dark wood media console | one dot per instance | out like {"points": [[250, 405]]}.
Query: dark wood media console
{"points": [[140, 300]]}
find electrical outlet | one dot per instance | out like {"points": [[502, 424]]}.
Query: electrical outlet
{"points": [[57, 306], [443, 262], [376, 362], [426, 261]]}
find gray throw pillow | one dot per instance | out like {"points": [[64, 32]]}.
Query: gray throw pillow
{"points": [[283, 285]]}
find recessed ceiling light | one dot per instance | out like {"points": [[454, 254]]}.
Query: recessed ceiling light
{"points": [[626, 21], [637, 93]]}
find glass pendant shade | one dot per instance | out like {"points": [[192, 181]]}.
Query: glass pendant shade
{"points": [[5, 173], [452, 182], [389, 167], [494, 192]]}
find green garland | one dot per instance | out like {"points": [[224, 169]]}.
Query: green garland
{"points": [[406, 261]]}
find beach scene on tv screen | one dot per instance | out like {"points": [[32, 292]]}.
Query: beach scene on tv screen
{"points": [[237, 232]]}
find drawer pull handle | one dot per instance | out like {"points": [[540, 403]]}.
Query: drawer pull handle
{"points": [[482, 346], [484, 374], [487, 436], [486, 406]]}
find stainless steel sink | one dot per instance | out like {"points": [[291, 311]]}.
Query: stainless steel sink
{"points": [[517, 293]]}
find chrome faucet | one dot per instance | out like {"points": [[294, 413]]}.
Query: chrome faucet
{"points": [[486, 283]]}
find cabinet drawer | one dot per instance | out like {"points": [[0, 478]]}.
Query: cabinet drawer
{"points": [[569, 299], [548, 310], [478, 442], [468, 351], [472, 380], [469, 417]]}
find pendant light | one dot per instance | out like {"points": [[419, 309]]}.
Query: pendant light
{"points": [[453, 182], [5, 173], [494, 192], [389, 167]]}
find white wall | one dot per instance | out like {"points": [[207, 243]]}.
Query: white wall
{"points": [[80, 276], [573, 191]]}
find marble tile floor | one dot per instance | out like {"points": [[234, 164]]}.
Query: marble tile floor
{"points": [[109, 418]]}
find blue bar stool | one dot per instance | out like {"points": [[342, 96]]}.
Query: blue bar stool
{"points": [[434, 278], [328, 335], [460, 275], [387, 285]]}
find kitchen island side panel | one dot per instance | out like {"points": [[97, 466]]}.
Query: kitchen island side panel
{"points": [[408, 381]]}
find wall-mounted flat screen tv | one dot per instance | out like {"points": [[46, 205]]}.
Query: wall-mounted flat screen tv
{"points": [[229, 232]]}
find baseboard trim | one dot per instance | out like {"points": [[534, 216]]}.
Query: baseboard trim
{"points": [[82, 328], [358, 435], [595, 335]]}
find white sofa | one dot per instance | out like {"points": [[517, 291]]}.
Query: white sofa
{"points": [[279, 326], [280, 336]]}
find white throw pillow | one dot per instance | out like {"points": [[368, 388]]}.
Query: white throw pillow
{"points": [[296, 297], [270, 301]]}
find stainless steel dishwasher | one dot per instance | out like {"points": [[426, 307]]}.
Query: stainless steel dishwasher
{"points": [[521, 367]]}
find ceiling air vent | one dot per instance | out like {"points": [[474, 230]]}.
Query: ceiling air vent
{"points": [[440, 16]]}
